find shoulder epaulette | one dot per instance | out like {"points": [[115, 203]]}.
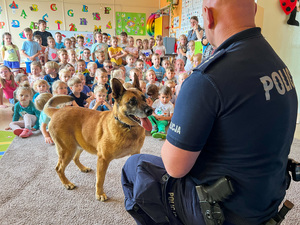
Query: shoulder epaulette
{"points": [[209, 61]]}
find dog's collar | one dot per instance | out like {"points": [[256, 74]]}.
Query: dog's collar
{"points": [[124, 124]]}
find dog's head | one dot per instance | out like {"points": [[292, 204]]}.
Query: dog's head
{"points": [[130, 105]]}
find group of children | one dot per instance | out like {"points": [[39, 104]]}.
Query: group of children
{"points": [[69, 68]]}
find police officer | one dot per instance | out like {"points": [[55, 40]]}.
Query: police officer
{"points": [[235, 117]]}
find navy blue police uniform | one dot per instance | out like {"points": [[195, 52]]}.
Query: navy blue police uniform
{"points": [[241, 114]]}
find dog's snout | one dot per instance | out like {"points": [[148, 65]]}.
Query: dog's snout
{"points": [[148, 111]]}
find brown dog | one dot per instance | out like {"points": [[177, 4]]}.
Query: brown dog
{"points": [[109, 134]]}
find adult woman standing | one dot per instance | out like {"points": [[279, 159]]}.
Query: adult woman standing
{"points": [[197, 32]]}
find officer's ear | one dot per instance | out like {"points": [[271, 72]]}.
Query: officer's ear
{"points": [[209, 17]]}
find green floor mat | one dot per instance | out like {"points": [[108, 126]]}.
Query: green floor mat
{"points": [[6, 137]]}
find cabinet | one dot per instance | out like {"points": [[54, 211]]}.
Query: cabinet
{"points": [[161, 26]]}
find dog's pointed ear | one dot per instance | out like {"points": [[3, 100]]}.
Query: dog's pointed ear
{"points": [[117, 89], [136, 82]]}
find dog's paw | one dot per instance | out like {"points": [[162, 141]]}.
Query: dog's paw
{"points": [[86, 170], [70, 186], [102, 197]]}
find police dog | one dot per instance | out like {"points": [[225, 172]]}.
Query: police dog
{"points": [[109, 134]]}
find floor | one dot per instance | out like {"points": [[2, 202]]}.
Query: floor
{"points": [[6, 117]]}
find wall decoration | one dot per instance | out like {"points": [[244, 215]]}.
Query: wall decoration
{"points": [[96, 16], [22, 35], [72, 27], [13, 5], [150, 24], [44, 17], [83, 21], [53, 7], [23, 14], [132, 23], [97, 28], [0, 10], [108, 25], [15, 23], [34, 8], [85, 8], [176, 22], [107, 10], [33, 25], [58, 22], [2, 24], [70, 13]]}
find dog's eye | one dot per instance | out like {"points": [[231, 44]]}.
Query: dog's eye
{"points": [[133, 101]]}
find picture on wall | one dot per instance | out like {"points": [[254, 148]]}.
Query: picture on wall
{"points": [[131, 23]]}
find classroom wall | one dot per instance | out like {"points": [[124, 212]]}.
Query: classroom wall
{"points": [[284, 38], [62, 14]]}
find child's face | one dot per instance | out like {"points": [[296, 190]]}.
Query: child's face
{"points": [[102, 78], [143, 87], [42, 26], [196, 61], [143, 57], [28, 36], [123, 39], [131, 42], [140, 65], [130, 61], [5, 73], [80, 42], [191, 46], [36, 70], [179, 66], [172, 86], [151, 43], [51, 43], [65, 77], [101, 57], [158, 42], [49, 70], [182, 41], [164, 98], [71, 69], [181, 79], [38, 40], [166, 64], [108, 67], [23, 78], [72, 55], [151, 76], [86, 54], [139, 43], [63, 56], [82, 78], [145, 45], [81, 66], [92, 68], [68, 44], [100, 96], [62, 89], [170, 74], [58, 38], [73, 41], [99, 38], [24, 97], [77, 88], [114, 43], [41, 88], [104, 38], [155, 60]]}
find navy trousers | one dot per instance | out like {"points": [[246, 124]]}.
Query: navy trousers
{"points": [[152, 197]]}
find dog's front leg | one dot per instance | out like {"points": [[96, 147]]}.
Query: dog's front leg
{"points": [[102, 165]]}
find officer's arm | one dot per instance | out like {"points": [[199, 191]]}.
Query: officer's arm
{"points": [[178, 162]]}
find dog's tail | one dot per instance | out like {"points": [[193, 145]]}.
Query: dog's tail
{"points": [[50, 107]]}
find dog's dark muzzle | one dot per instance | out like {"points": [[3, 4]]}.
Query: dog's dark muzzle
{"points": [[148, 110]]}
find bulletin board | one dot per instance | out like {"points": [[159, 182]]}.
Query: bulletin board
{"points": [[132, 23]]}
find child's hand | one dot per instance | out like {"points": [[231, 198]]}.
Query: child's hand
{"points": [[33, 129], [7, 128], [49, 140], [149, 101]]}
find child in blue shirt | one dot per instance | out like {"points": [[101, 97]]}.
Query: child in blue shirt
{"points": [[51, 69], [25, 108], [99, 46], [101, 78], [100, 102], [58, 43], [30, 49], [159, 70]]}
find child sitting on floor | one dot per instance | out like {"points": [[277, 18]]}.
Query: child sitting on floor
{"points": [[25, 108], [100, 102], [163, 112], [76, 87]]}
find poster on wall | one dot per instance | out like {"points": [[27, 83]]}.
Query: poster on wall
{"points": [[131, 23]]}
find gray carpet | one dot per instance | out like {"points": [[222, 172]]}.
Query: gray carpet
{"points": [[31, 192]]}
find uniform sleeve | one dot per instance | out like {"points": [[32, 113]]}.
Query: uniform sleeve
{"points": [[196, 109]]}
